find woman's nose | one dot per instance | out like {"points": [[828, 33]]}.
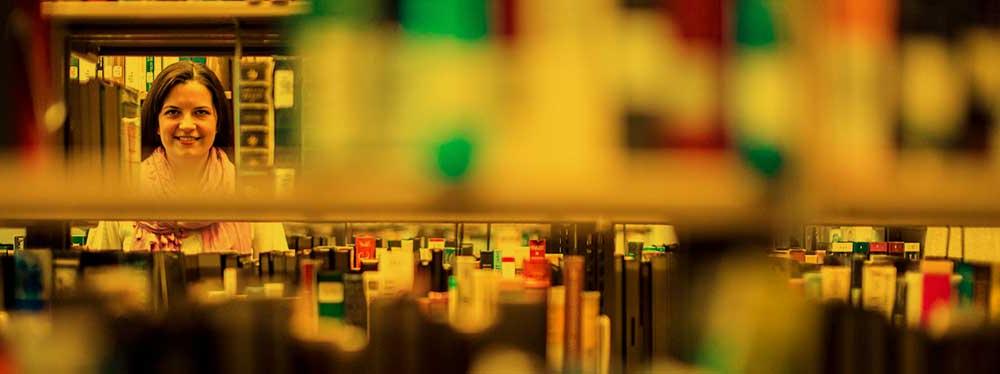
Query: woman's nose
{"points": [[187, 123]]}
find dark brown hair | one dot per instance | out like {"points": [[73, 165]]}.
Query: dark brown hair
{"points": [[171, 76]]}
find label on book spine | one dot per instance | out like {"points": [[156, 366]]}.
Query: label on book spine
{"points": [[842, 247], [879, 290], [74, 68], [878, 247], [330, 292], [284, 89], [536, 248], [836, 283], [364, 248]]}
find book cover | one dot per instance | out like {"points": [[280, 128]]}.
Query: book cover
{"points": [[111, 131], [116, 67], [994, 293], [135, 73], [914, 298], [157, 66], [879, 289], [589, 331], [555, 326], [74, 68], [835, 283], [936, 300], [149, 72], [573, 282]]}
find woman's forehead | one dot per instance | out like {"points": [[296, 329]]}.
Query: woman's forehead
{"points": [[190, 93]]}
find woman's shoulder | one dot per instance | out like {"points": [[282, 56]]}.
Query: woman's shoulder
{"points": [[269, 236]]}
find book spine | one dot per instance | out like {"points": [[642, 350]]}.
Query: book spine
{"points": [[573, 281], [150, 72], [556, 327]]}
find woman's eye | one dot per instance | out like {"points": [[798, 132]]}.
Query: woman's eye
{"points": [[202, 112], [172, 112]]}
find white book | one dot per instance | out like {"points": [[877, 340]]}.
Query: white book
{"points": [[835, 283], [936, 242], [914, 298], [135, 72], [604, 358], [88, 70], [879, 289], [955, 242], [980, 244]]}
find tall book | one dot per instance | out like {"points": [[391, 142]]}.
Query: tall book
{"points": [[287, 85], [157, 66], [114, 69], [74, 68], [88, 68], [633, 322], [150, 72], [614, 308], [73, 136], [135, 73], [662, 267], [111, 131], [936, 296], [573, 281]]}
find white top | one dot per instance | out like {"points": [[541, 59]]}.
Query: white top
{"points": [[267, 237]]}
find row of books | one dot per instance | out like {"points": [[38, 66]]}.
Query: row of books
{"points": [[270, 134], [104, 132], [137, 72], [567, 305], [893, 279]]}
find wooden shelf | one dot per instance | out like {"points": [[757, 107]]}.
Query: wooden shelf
{"points": [[711, 199], [130, 11], [941, 190]]}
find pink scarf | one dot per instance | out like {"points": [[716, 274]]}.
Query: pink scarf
{"points": [[219, 178]]}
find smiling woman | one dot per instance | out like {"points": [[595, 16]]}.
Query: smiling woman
{"points": [[187, 140], [186, 99], [188, 122]]}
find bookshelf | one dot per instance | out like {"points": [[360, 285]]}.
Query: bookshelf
{"points": [[644, 188], [943, 189]]}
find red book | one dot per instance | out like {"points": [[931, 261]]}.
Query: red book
{"points": [[937, 296], [536, 273], [364, 247], [536, 248], [797, 255], [878, 247], [896, 247]]}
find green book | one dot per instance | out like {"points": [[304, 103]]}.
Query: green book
{"points": [[74, 68], [150, 67]]}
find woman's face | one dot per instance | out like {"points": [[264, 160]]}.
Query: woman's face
{"points": [[188, 121]]}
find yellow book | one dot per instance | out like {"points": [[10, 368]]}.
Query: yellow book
{"points": [[589, 331], [835, 283], [135, 72], [995, 293], [556, 325]]}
